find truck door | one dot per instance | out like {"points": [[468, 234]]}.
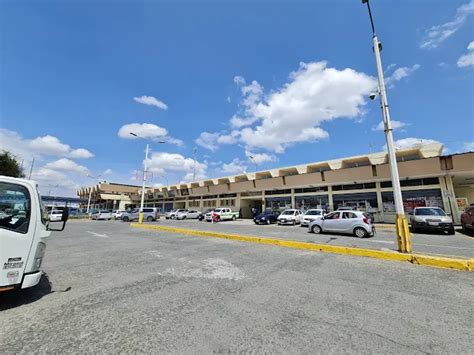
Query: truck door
{"points": [[17, 230]]}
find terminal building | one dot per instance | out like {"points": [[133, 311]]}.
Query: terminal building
{"points": [[362, 182]]}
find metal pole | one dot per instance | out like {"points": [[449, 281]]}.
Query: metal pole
{"points": [[89, 201], [31, 168], [403, 232], [140, 216]]}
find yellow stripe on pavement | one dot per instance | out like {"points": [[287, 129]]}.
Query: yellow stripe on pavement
{"points": [[420, 259]]}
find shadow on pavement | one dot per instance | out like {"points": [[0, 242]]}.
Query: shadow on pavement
{"points": [[16, 298]]}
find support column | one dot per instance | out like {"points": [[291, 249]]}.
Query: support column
{"points": [[293, 200], [449, 198], [379, 202], [330, 201]]}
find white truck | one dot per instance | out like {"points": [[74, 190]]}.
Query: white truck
{"points": [[222, 214], [24, 229]]}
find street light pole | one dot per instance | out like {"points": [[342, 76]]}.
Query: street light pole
{"points": [[403, 232], [140, 215], [90, 191]]}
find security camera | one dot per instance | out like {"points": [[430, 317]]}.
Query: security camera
{"points": [[372, 95]]}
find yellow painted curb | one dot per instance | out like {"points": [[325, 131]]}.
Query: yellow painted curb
{"points": [[420, 259]]}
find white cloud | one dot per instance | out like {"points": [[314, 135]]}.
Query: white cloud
{"points": [[438, 34], [67, 165], [208, 140], [236, 166], [467, 59], [395, 125], [261, 158], [401, 73], [147, 131], [163, 163], [469, 146], [39, 146], [412, 142], [294, 113], [151, 101]]}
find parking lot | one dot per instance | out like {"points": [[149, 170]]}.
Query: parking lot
{"points": [[461, 245], [110, 288]]}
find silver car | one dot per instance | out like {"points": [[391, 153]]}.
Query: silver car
{"points": [[173, 213], [150, 214], [192, 214], [350, 222], [431, 218]]}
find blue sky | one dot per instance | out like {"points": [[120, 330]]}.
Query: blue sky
{"points": [[283, 81]]}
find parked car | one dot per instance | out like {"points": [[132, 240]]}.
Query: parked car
{"points": [[223, 214], [172, 214], [467, 219], [191, 214], [431, 218], [202, 215], [266, 217], [55, 215], [102, 214], [118, 214], [351, 222], [150, 214], [311, 215], [290, 216]]}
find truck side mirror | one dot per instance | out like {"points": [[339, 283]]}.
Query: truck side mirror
{"points": [[64, 217]]}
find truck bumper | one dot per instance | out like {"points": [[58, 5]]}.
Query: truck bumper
{"points": [[30, 280]]}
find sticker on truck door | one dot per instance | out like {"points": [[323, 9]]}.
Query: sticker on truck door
{"points": [[13, 263]]}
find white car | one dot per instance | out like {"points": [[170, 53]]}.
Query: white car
{"points": [[102, 214], [172, 214], [310, 215], [191, 214], [351, 222], [290, 216], [55, 215], [118, 214]]}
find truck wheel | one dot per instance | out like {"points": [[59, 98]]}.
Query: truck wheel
{"points": [[234, 218], [149, 219], [360, 232], [451, 231]]}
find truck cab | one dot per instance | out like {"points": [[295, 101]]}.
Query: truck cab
{"points": [[24, 229]]}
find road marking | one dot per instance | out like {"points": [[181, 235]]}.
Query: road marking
{"points": [[378, 241], [98, 235]]}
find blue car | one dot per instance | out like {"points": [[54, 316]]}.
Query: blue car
{"points": [[267, 217]]}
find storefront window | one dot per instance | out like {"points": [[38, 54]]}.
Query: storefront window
{"points": [[307, 202], [278, 203], [363, 202], [412, 199]]}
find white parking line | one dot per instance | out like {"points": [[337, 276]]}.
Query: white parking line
{"points": [[98, 235]]}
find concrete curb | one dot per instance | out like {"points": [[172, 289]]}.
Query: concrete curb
{"points": [[419, 259]]}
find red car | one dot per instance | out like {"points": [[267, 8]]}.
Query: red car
{"points": [[467, 219]]}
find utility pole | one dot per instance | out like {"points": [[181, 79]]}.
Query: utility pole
{"points": [[31, 168], [140, 216], [403, 232]]}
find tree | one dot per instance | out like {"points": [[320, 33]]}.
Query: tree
{"points": [[9, 166]]}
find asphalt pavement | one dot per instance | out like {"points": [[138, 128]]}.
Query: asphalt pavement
{"points": [[110, 288], [458, 245]]}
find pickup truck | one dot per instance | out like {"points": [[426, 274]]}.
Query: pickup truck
{"points": [[223, 214]]}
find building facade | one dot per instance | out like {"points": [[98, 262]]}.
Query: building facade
{"points": [[362, 182]]}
